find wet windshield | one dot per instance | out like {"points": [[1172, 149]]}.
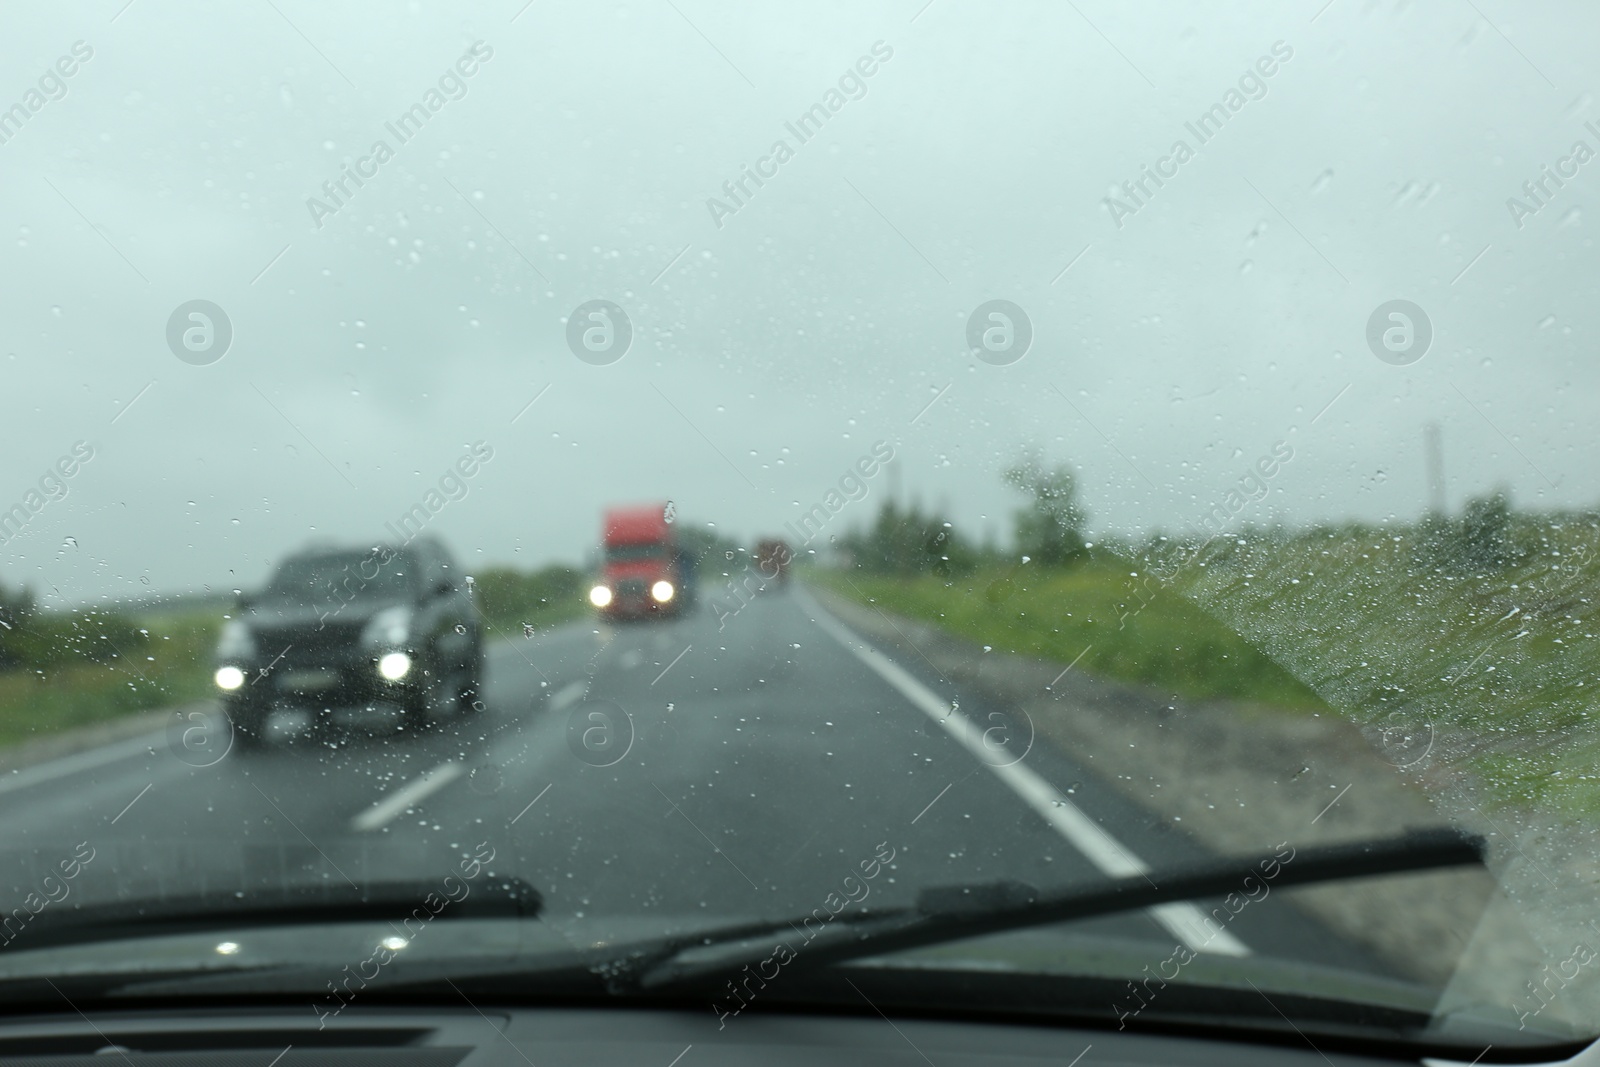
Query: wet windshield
{"points": [[332, 579], [724, 465]]}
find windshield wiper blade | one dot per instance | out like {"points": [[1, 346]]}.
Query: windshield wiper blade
{"points": [[958, 912], [278, 906]]}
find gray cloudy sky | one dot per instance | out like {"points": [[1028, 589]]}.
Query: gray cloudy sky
{"points": [[1222, 316]]}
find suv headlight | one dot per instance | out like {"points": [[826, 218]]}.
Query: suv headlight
{"points": [[389, 628], [236, 642], [394, 666]]}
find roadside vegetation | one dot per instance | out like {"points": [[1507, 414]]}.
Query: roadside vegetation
{"points": [[513, 600], [1056, 596], [1463, 643], [63, 670]]}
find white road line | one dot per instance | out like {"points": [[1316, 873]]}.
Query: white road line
{"points": [[567, 696], [1182, 920], [81, 761], [386, 809]]}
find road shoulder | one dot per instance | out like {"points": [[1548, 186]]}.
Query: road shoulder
{"points": [[1238, 779]]}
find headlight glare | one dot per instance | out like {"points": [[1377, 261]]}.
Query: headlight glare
{"points": [[394, 666]]}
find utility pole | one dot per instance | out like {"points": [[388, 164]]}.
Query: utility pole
{"points": [[1435, 459]]}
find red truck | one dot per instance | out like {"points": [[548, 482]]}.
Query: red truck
{"points": [[644, 572]]}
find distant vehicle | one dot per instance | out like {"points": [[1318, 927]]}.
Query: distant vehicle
{"points": [[644, 570], [340, 631], [772, 560]]}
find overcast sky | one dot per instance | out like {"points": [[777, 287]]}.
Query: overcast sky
{"points": [[1173, 345]]}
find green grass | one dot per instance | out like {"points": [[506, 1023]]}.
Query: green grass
{"points": [[1502, 661], [1170, 644], [512, 600], [173, 667]]}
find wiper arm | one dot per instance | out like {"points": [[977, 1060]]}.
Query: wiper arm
{"points": [[282, 906], [954, 913]]}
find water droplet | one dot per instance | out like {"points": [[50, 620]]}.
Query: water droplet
{"points": [[528, 630], [460, 629], [1246, 267], [669, 514], [1322, 181], [71, 542]]}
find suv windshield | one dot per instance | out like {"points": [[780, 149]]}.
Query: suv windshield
{"points": [[777, 483], [340, 577]]}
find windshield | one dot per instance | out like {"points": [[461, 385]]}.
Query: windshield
{"points": [[1077, 442], [630, 553], [335, 578]]}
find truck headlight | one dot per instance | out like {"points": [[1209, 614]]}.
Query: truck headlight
{"points": [[600, 596], [394, 666], [229, 678], [662, 591]]}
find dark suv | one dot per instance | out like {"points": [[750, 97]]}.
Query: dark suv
{"points": [[341, 632]]}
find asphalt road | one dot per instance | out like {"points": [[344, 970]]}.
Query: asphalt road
{"points": [[647, 768]]}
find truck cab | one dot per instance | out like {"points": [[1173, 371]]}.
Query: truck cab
{"points": [[644, 572]]}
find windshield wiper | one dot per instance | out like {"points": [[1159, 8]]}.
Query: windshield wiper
{"points": [[499, 898], [954, 913]]}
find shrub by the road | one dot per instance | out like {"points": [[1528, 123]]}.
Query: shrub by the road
{"points": [[511, 599], [79, 668]]}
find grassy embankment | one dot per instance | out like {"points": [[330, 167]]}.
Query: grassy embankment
{"points": [[162, 659], [1499, 665], [1059, 614]]}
